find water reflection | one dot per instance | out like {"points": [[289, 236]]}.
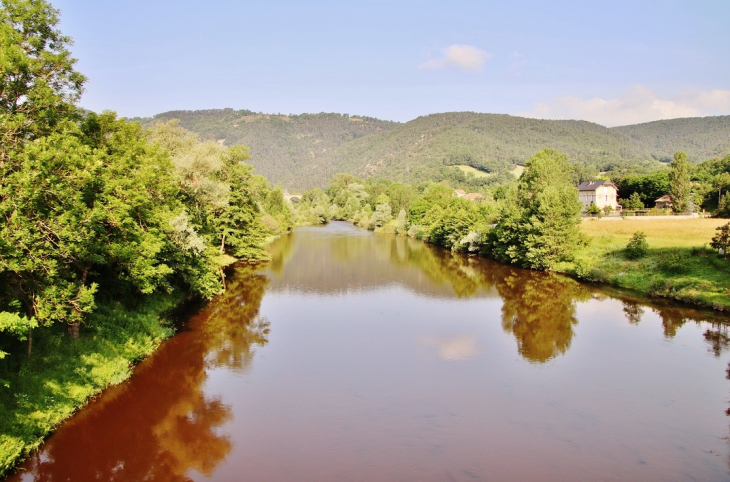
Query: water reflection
{"points": [[351, 259], [235, 327], [340, 396], [633, 312], [163, 425], [539, 310]]}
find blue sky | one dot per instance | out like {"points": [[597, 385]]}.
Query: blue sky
{"points": [[613, 62]]}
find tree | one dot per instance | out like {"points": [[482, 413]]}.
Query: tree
{"points": [[633, 202], [720, 182], [721, 241], [38, 83], [539, 224], [381, 216], [679, 182], [637, 246]]}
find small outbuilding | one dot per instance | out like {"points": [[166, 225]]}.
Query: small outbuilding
{"points": [[664, 202]]}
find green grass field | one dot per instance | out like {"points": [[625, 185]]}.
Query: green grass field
{"points": [[679, 264], [476, 172], [660, 233]]}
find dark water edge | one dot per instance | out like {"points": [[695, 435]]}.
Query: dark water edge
{"points": [[354, 356]]}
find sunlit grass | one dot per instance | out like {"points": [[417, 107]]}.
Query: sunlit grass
{"points": [[476, 172], [39, 392], [660, 233], [700, 276]]}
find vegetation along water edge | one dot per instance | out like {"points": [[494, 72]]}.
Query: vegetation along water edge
{"points": [[107, 225], [104, 229]]}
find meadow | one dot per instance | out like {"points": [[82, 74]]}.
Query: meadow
{"points": [[678, 264]]}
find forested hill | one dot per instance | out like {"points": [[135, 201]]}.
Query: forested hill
{"points": [[702, 138], [305, 150], [283, 148], [418, 149]]}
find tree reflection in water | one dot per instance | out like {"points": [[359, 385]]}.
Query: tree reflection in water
{"points": [[163, 425], [539, 310]]}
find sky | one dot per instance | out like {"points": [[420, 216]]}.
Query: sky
{"points": [[614, 63]]}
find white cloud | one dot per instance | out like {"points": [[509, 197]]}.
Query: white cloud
{"points": [[450, 348], [465, 57], [638, 104]]}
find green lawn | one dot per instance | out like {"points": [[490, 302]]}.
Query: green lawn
{"points": [[476, 172]]}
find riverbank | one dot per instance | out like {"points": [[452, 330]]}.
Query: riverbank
{"points": [[62, 374], [678, 265]]}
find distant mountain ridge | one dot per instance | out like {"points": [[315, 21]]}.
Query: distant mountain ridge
{"points": [[283, 147], [304, 150], [702, 138]]}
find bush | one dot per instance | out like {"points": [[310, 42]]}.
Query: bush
{"points": [[593, 209], [637, 247], [674, 262]]}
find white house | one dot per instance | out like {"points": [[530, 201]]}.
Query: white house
{"points": [[600, 193]]}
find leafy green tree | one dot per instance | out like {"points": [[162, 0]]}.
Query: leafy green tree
{"points": [[723, 210], [720, 182], [381, 216], [240, 223], [38, 83], [721, 241], [648, 187], [637, 246], [633, 202], [679, 182], [539, 224]]}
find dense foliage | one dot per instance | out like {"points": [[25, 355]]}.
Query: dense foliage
{"points": [[700, 137], [93, 208], [536, 220], [539, 225], [284, 148]]}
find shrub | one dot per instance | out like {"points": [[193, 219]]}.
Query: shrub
{"points": [[637, 247], [607, 209], [674, 262], [593, 209]]}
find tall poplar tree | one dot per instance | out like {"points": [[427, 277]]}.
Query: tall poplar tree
{"points": [[679, 182]]}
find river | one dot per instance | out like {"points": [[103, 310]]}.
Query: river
{"points": [[355, 356]]}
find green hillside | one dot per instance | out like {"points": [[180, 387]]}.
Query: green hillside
{"points": [[417, 150], [282, 147], [702, 138], [301, 151]]}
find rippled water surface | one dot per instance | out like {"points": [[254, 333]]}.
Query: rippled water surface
{"points": [[353, 356]]}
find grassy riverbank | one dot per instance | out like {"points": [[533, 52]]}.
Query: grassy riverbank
{"points": [[39, 392], [679, 264]]}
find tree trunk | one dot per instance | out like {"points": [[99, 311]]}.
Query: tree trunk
{"points": [[223, 243], [223, 278], [30, 341], [73, 330]]}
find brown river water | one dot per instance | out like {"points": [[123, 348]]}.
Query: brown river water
{"points": [[354, 356]]}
